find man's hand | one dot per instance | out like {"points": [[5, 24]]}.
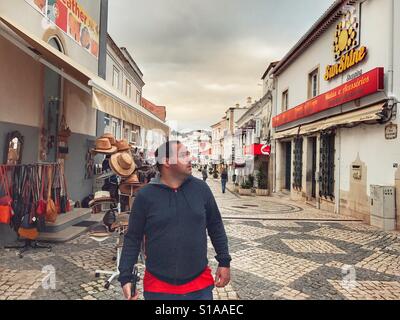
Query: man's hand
{"points": [[127, 292], [222, 277]]}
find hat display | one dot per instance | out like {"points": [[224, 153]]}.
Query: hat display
{"points": [[122, 164], [99, 233], [122, 145], [103, 145], [101, 196], [110, 137], [131, 179], [129, 188], [130, 184]]}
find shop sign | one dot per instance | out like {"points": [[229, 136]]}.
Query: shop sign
{"points": [[71, 18], [266, 150], [346, 43], [391, 131], [258, 150], [366, 84]]}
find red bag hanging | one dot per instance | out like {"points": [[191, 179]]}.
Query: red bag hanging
{"points": [[6, 211], [42, 204]]}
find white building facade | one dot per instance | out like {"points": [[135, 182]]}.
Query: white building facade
{"points": [[335, 123]]}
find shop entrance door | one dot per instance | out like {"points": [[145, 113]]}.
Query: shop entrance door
{"points": [[288, 164]]}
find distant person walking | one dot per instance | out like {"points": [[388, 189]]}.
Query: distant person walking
{"points": [[224, 179], [204, 174]]}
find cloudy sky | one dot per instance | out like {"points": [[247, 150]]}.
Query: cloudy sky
{"points": [[200, 57]]}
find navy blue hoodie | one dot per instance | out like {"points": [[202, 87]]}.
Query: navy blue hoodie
{"points": [[175, 223]]}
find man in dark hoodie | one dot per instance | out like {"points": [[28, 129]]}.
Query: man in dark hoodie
{"points": [[173, 213]]}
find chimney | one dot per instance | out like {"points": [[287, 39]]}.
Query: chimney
{"points": [[237, 105], [249, 102]]}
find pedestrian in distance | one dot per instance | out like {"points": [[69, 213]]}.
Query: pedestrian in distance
{"points": [[204, 174], [224, 179]]}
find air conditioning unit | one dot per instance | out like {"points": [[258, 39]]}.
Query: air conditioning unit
{"points": [[383, 207]]}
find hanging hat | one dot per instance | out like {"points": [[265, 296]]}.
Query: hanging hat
{"points": [[131, 179], [100, 197], [130, 184], [110, 137], [130, 188], [122, 164], [123, 145], [103, 145]]}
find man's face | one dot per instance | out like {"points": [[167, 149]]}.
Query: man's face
{"points": [[180, 162]]}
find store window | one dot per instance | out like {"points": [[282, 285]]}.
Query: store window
{"points": [[116, 128], [327, 166], [285, 100], [135, 135], [115, 79], [298, 164], [55, 42], [313, 84], [128, 89]]}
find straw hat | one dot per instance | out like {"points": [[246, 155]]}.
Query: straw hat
{"points": [[129, 188], [123, 145], [131, 179], [101, 196], [110, 137], [130, 184], [103, 145], [122, 164]]}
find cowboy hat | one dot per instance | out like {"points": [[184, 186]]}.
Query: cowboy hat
{"points": [[110, 137], [123, 145], [122, 164], [101, 196], [130, 188], [103, 145], [133, 179]]}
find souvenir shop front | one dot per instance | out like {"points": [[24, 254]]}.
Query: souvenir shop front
{"points": [[48, 143]]}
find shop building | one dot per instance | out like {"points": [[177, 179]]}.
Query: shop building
{"points": [[335, 112], [144, 118], [43, 57], [255, 137], [54, 65]]}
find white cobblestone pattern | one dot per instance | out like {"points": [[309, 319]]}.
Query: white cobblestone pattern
{"points": [[312, 246], [248, 232], [275, 267], [368, 290], [345, 235], [382, 262]]}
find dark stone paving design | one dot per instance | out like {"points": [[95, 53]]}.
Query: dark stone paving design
{"points": [[77, 281]]}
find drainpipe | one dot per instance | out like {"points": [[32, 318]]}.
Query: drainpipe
{"points": [[392, 99], [337, 184]]}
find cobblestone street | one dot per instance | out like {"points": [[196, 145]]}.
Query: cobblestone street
{"points": [[280, 250]]}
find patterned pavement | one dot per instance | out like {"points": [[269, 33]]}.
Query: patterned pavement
{"points": [[281, 250]]}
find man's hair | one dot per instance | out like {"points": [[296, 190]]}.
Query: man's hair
{"points": [[164, 152]]}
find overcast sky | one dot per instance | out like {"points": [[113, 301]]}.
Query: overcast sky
{"points": [[200, 57]]}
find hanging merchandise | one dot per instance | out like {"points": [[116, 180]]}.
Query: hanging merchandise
{"points": [[104, 146], [51, 210], [122, 164], [28, 229], [64, 201], [63, 137], [6, 211]]}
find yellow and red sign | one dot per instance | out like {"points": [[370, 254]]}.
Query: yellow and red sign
{"points": [[70, 17], [366, 84], [346, 43]]}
